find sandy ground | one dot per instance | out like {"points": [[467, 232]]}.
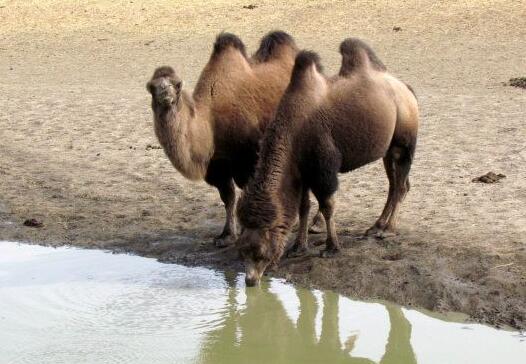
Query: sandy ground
{"points": [[75, 125]]}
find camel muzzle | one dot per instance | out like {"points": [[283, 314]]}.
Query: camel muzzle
{"points": [[167, 100], [164, 96], [251, 281], [252, 276]]}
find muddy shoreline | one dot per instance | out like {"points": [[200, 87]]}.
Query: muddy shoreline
{"points": [[78, 151], [412, 274]]}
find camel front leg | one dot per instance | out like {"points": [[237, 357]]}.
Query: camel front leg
{"points": [[332, 245], [317, 226], [227, 192], [301, 244]]}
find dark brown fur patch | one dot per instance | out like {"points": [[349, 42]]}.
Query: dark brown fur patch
{"points": [[163, 71], [353, 51], [270, 43], [306, 58], [255, 209], [303, 61], [225, 40]]}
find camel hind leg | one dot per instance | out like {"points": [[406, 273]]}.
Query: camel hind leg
{"points": [[219, 176], [301, 244], [322, 173], [380, 224], [227, 192], [402, 162], [397, 165], [332, 244]]}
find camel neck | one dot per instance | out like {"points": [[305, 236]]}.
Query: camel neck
{"points": [[186, 137], [270, 197]]}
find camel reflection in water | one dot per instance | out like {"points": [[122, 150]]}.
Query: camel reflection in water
{"points": [[262, 326]]}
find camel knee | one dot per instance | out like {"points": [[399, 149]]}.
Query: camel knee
{"points": [[227, 192], [324, 189]]}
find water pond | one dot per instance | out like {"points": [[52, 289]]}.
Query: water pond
{"points": [[70, 305]]}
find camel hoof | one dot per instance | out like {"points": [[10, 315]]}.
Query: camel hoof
{"points": [[330, 253], [385, 234], [300, 252], [379, 233], [319, 243], [224, 241], [372, 231]]}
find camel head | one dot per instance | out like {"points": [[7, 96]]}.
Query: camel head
{"points": [[257, 249], [165, 87]]}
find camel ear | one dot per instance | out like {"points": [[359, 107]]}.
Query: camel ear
{"points": [[149, 87]]}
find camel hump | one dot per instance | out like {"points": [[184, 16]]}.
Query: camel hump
{"points": [[356, 54], [270, 45], [303, 61], [225, 40], [303, 66]]}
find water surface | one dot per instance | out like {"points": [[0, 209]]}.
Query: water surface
{"points": [[86, 306]]}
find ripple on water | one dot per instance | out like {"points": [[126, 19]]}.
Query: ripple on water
{"points": [[109, 305]]}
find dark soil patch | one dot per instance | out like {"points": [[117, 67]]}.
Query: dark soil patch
{"points": [[518, 82], [489, 177], [33, 223]]}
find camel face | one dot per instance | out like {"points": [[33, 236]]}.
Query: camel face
{"points": [[165, 87], [165, 91], [254, 250]]}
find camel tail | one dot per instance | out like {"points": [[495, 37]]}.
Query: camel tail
{"points": [[411, 89], [357, 54], [270, 44], [411, 147], [225, 40]]}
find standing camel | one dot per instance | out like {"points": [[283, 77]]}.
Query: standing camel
{"points": [[325, 126], [214, 133]]}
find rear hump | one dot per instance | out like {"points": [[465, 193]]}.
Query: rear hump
{"points": [[357, 54]]}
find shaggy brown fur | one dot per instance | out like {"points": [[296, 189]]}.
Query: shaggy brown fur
{"points": [[324, 127], [214, 133]]}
